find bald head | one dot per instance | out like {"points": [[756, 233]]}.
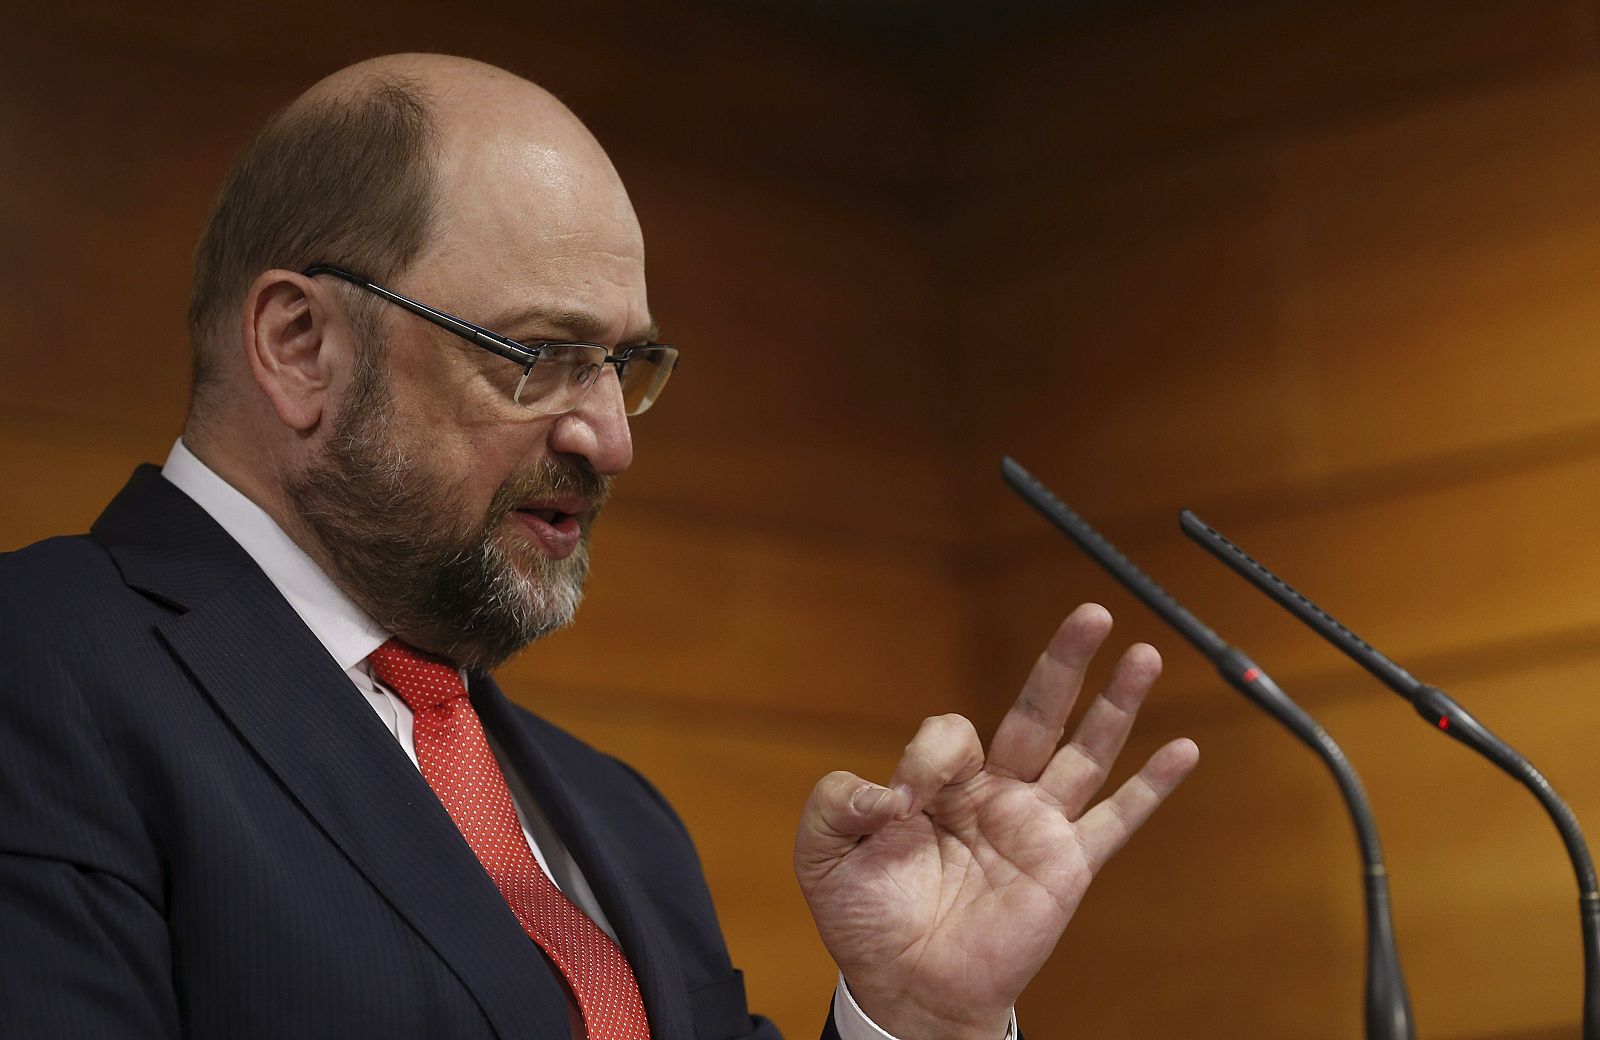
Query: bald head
{"points": [[471, 104], [371, 168], [464, 97]]}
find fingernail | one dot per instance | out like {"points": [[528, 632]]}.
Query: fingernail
{"points": [[868, 799], [906, 799]]}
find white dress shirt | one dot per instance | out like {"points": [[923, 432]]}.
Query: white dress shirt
{"points": [[350, 636]]}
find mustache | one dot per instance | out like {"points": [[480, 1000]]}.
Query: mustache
{"points": [[552, 478]]}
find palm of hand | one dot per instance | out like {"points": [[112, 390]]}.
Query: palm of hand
{"points": [[940, 897]]}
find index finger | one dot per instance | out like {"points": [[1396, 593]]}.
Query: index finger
{"points": [[1032, 729]]}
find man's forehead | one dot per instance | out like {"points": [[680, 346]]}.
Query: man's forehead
{"points": [[567, 321], [506, 155], [534, 231], [524, 278], [527, 206]]}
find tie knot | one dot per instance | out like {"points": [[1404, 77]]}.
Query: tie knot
{"points": [[421, 679]]}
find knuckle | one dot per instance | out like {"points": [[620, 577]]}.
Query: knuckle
{"points": [[1064, 658], [1029, 708], [838, 778], [1096, 763], [833, 787], [1123, 821], [929, 731], [1150, 792]]}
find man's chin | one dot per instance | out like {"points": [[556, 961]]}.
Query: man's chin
{"points": [[545, 582]]}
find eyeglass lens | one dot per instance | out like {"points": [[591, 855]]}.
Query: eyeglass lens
{"points": [[564, 372]]}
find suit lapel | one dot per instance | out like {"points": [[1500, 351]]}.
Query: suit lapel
{"points": [[601, 853], [296, 708]]}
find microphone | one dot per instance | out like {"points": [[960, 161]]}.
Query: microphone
{"points": [[1445, 715], [1388, 1006]]}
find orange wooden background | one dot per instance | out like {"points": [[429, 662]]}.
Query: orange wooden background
{"points": [[1329, 273]]}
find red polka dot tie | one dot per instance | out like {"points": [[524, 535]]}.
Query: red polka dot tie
{"points": [[462, 770]]}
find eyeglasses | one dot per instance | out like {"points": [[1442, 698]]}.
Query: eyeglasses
{"points": [[556, 374]]}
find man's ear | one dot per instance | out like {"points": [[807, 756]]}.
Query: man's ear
{"points": [[297, 343]]}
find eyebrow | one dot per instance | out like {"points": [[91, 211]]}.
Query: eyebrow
{"points": [[581, 325]]}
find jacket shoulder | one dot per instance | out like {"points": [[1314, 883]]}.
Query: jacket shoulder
{"points": [[55, 574], [65, 600]]}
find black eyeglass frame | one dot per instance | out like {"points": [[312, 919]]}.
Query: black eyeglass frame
{"points": [[522, 354]]}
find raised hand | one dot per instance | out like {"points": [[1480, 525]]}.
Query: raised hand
{"points": [[942, 895]]}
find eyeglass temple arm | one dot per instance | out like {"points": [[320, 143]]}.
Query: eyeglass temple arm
{"points": [[508, 349]]}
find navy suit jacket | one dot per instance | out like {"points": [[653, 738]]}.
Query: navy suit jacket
{"points": [[205, 832]]}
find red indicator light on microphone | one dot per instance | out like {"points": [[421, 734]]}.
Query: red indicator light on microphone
{"points": [[1252, 675], [1444, 722]]}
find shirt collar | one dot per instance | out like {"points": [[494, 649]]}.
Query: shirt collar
{"points": [[333, 617]]}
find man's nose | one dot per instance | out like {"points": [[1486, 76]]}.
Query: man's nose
{"points": [[598, 428]]}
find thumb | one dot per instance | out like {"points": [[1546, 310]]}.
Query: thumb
{"points": [[842, 809]]}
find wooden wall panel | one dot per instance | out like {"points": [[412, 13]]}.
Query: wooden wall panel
{"points": [[1325, 271], [1469, 576], [1334, 289], [1240, 911], [1416, 288], [793, 408], [1447, 265], [692, 611], [58, 476], [1172, 78]]}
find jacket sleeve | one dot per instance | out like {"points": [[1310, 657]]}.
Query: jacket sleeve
{"points": [[83, 938]]}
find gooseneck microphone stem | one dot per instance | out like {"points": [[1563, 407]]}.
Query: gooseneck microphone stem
{"points": [[1388, 1006], [1444, 714]]}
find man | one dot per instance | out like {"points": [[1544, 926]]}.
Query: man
{"points": [[258, 781]]}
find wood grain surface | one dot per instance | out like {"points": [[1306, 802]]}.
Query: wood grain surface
{"points": [[1328, 273]]}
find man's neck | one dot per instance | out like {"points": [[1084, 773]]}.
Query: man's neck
{"points": [[343, 626], [264, 489]]}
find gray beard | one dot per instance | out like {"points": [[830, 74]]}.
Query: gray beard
{"points": [[400, 545]]}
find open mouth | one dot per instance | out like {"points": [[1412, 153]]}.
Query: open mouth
{"points": [[552, 517], [557, 530]]}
